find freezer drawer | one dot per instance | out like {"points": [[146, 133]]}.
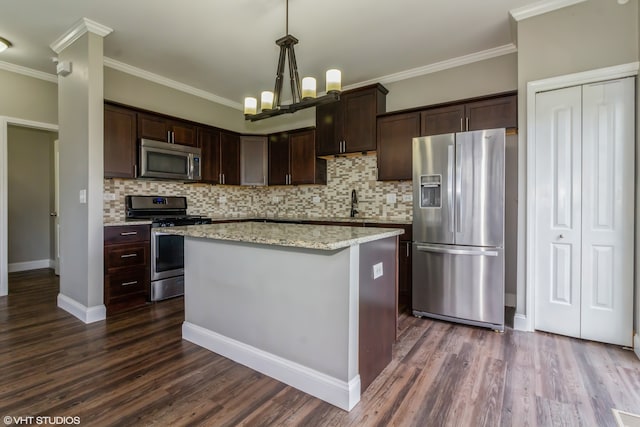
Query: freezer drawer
{"points": [[459, 283]]}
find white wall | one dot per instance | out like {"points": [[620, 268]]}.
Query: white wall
{"points": [[586, 36], [30, 194]]}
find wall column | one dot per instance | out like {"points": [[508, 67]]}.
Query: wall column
{"points": [[80, 118]]}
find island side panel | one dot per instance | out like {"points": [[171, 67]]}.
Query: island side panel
{"points": [[297, 304], [377, 306]]}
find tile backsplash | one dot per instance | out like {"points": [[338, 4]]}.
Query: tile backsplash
{"points": [[375, 198]]}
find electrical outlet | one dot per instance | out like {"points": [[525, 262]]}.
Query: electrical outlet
{"points": [[407, 198], [109, 196], [316, 199], [275, 199], [377, 270], [391, 198], [222, 199]]}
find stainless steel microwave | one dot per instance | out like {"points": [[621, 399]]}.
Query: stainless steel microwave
{"points": [[169, 161]]}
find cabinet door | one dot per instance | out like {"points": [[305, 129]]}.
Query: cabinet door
{"points": [[328, 128], [183, 133], [209, 142], [359, 115], [395, 135], [119, 142], [230, 158], [302, 157], [492, 113], [152, 127], [253, 160], [436, 121], [278, 158]]}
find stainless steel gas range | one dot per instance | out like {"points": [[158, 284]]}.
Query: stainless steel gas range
{"points": [[167, 251]]}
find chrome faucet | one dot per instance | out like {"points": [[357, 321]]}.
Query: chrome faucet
{"points": [[354, 204]]}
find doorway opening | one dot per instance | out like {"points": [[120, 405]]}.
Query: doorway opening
{"points": [[44, 131]]}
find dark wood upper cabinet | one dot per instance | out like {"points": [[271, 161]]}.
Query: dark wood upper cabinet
{"points": [[230, 158], [119, 142], [160, 128], [209, 143], [292, 159], [395, 134], [279, 158], [305, 167], [220, 156], [349, 125], [490, 113], [436, 121]]}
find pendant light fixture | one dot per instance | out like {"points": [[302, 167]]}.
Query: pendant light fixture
{"points": [[4, 44], [303, 96]]}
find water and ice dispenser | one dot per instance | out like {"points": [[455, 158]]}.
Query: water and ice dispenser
{"points": [[430, 191]]}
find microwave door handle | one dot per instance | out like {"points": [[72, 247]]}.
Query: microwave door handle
{"points": [[191, 166]]}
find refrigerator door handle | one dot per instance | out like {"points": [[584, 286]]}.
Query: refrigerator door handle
{"points": [[458, 184], [451, 251], [450, 166]]}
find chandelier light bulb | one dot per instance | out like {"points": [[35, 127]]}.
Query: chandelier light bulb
{"points": [[266, 100], [250, 105], [308, 87], [334, 81]]}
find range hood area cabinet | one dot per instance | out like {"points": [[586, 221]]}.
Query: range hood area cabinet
{"points": [[292, 159], [160, 128], [349, 125], [396, 131], [220, 156]]}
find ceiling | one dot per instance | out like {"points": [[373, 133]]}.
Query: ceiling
{"points": [[227, 47]]}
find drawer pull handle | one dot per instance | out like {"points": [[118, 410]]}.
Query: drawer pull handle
{"points": [[129, 283], [128, 255], [129, 233]]}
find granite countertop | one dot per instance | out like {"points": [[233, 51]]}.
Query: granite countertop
{"points": [[303, 219], [112, 222], [324, 237]]}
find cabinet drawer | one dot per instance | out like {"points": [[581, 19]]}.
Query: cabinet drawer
{"points": [[126, 234], [126, 255], [126, 281]]}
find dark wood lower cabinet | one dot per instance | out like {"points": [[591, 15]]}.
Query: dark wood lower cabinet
{"points": [[126, 267]]}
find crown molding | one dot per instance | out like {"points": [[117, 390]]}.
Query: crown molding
{"points": [[28, 72], [147, 75], [76, 31], [439, 66], [541, 7]]}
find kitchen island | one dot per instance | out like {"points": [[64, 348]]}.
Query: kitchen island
{"points": [[312, 306]]}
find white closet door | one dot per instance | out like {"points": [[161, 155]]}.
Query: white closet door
{"points": [[608, 211], [557, 215]]}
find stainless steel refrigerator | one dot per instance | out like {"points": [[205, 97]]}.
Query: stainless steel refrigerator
{"points": [[458, 227]]}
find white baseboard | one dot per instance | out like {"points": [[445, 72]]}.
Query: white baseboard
{"points": [[521, 323], [344, 395], [636, 345], [510, 300], [82, 312], [30, 265]]}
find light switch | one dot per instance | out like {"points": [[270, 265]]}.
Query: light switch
{"points": [[83, 196], [316, 199], [407, 198], [391, 198], [109, 196]]}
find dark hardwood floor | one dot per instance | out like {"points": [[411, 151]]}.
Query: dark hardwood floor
{"points": [[134, 369]]}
